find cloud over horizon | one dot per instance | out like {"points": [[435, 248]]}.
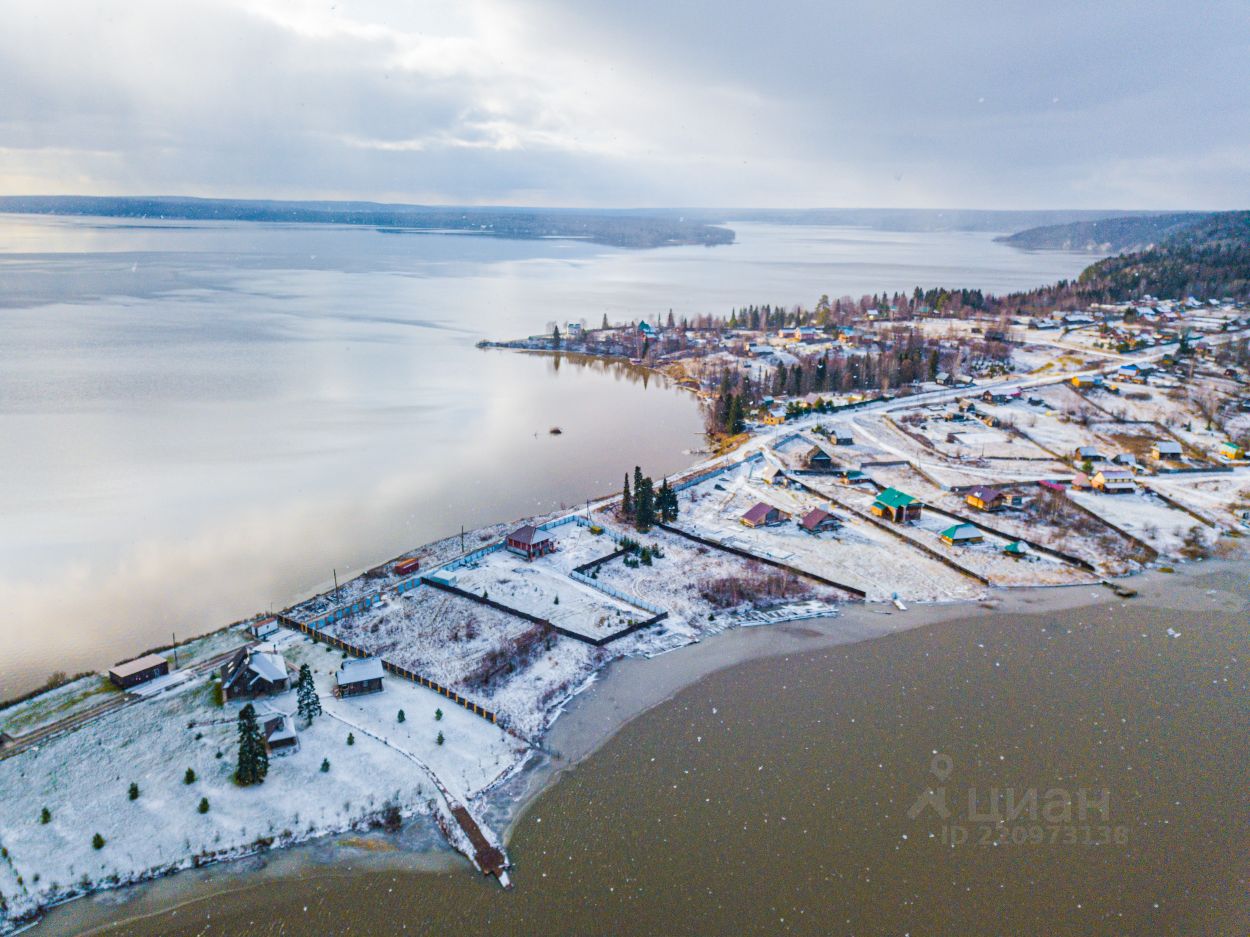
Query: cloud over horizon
{"points": [[590, 103]]}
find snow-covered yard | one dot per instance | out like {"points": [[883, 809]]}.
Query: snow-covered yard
{"points": [[83, 779], [1143, 515]]}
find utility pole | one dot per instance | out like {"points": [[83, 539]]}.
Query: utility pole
{"points": [[173, 639], [336, 585], [462, 538]]}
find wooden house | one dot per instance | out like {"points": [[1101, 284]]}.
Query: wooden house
{"points": [[257, 671], [773, 475], [764, 515], [962, 534], [984, 498], [137, 671], [280, 734], [1016, 550], [530, 541], [841, 436], [818, 519], [263, 629], [1231, 451], [1114, 481], [1166, 449], [358, 676], [849, 476], [817, 460], [897, 506], [1087, 454]]}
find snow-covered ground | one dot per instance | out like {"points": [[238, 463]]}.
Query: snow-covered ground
{"points": [[1143, 515], [858, 555], [83, 778]]}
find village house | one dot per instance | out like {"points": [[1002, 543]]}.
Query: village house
{"points": [[1232, 451], [817, 460], [358, 676], [1016, 550], [406, 567], [773, 475], [818, 519], [1166, 449], [255, 671], [280, 734], [264, 629], [764, 515], [1088, 454], [962, 534], [137, 671], [848, 476], [984, 498], [1114, 481], [530, 541], [896, 505]]}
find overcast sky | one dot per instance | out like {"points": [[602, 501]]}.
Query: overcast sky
{"points": [[1001, 104]]}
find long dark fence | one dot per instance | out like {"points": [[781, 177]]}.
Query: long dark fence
{"points": [[509, 610], [716, 544], [396, 669]]}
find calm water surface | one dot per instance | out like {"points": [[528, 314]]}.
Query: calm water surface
{"points": [[200, 421], [774, 797]]}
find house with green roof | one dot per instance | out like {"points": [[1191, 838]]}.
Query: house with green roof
{"points": [[897, 506], [960, 534]]}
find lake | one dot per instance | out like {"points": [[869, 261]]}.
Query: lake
{"points": [[202, 421]]}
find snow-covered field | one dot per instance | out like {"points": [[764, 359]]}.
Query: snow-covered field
{"points": [[83, 778], [1143, 515], [858, 555]]}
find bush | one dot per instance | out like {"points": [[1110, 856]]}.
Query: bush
{"points": [[203, 807], [438, 715], [189, 777], [325, 765], [401, 717], [133, 793], [97, 841], [440, 738], [351, 739], [45, 815]]}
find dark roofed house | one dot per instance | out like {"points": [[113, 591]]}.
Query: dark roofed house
{"points": [[984, 498], [841, 436], [764, 515], [140, 670], [255, 671], [818, 460], [359, 675], [1166, 449], [896, 505], [818, 519], [530, 541]]}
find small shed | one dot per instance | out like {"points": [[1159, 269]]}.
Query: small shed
{"points": [[841, 436], [1088, 454], [140, 670], [1166, 449], [1232, 451], [984, 498], [264, 629], [358, 676], [849, 476], [764, 515], [406, 566], [530, 541], [1016, 549], [818, 519], [960, 534], [896, 505]]}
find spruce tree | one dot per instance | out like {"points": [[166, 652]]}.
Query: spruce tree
{"points": [[605, 325], [627, 500], [644, 505], [253, 759], [736, 420], [306, 695]]}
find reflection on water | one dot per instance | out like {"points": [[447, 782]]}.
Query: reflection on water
{"points": [[780, 796], [200, 421]]}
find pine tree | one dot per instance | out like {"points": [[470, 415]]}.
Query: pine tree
{"points": [[203, 807], [605, 325], [440, 738], [253, 759], [306, 695], [401, 717], [736, 421], [325, 765], [189, 777], [555, 336], [438, 715], [45, 816], [351, 739], [133, 793], [97, 841], [627, 500], [644, 504]]}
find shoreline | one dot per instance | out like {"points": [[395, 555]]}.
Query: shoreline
{"points": [[584, 724]]}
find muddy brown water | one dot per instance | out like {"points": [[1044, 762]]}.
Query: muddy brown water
{"points": [[828, 792]]}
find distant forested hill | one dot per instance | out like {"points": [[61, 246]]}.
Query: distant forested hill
{"points": [[1106, 235], [615, 228]]}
